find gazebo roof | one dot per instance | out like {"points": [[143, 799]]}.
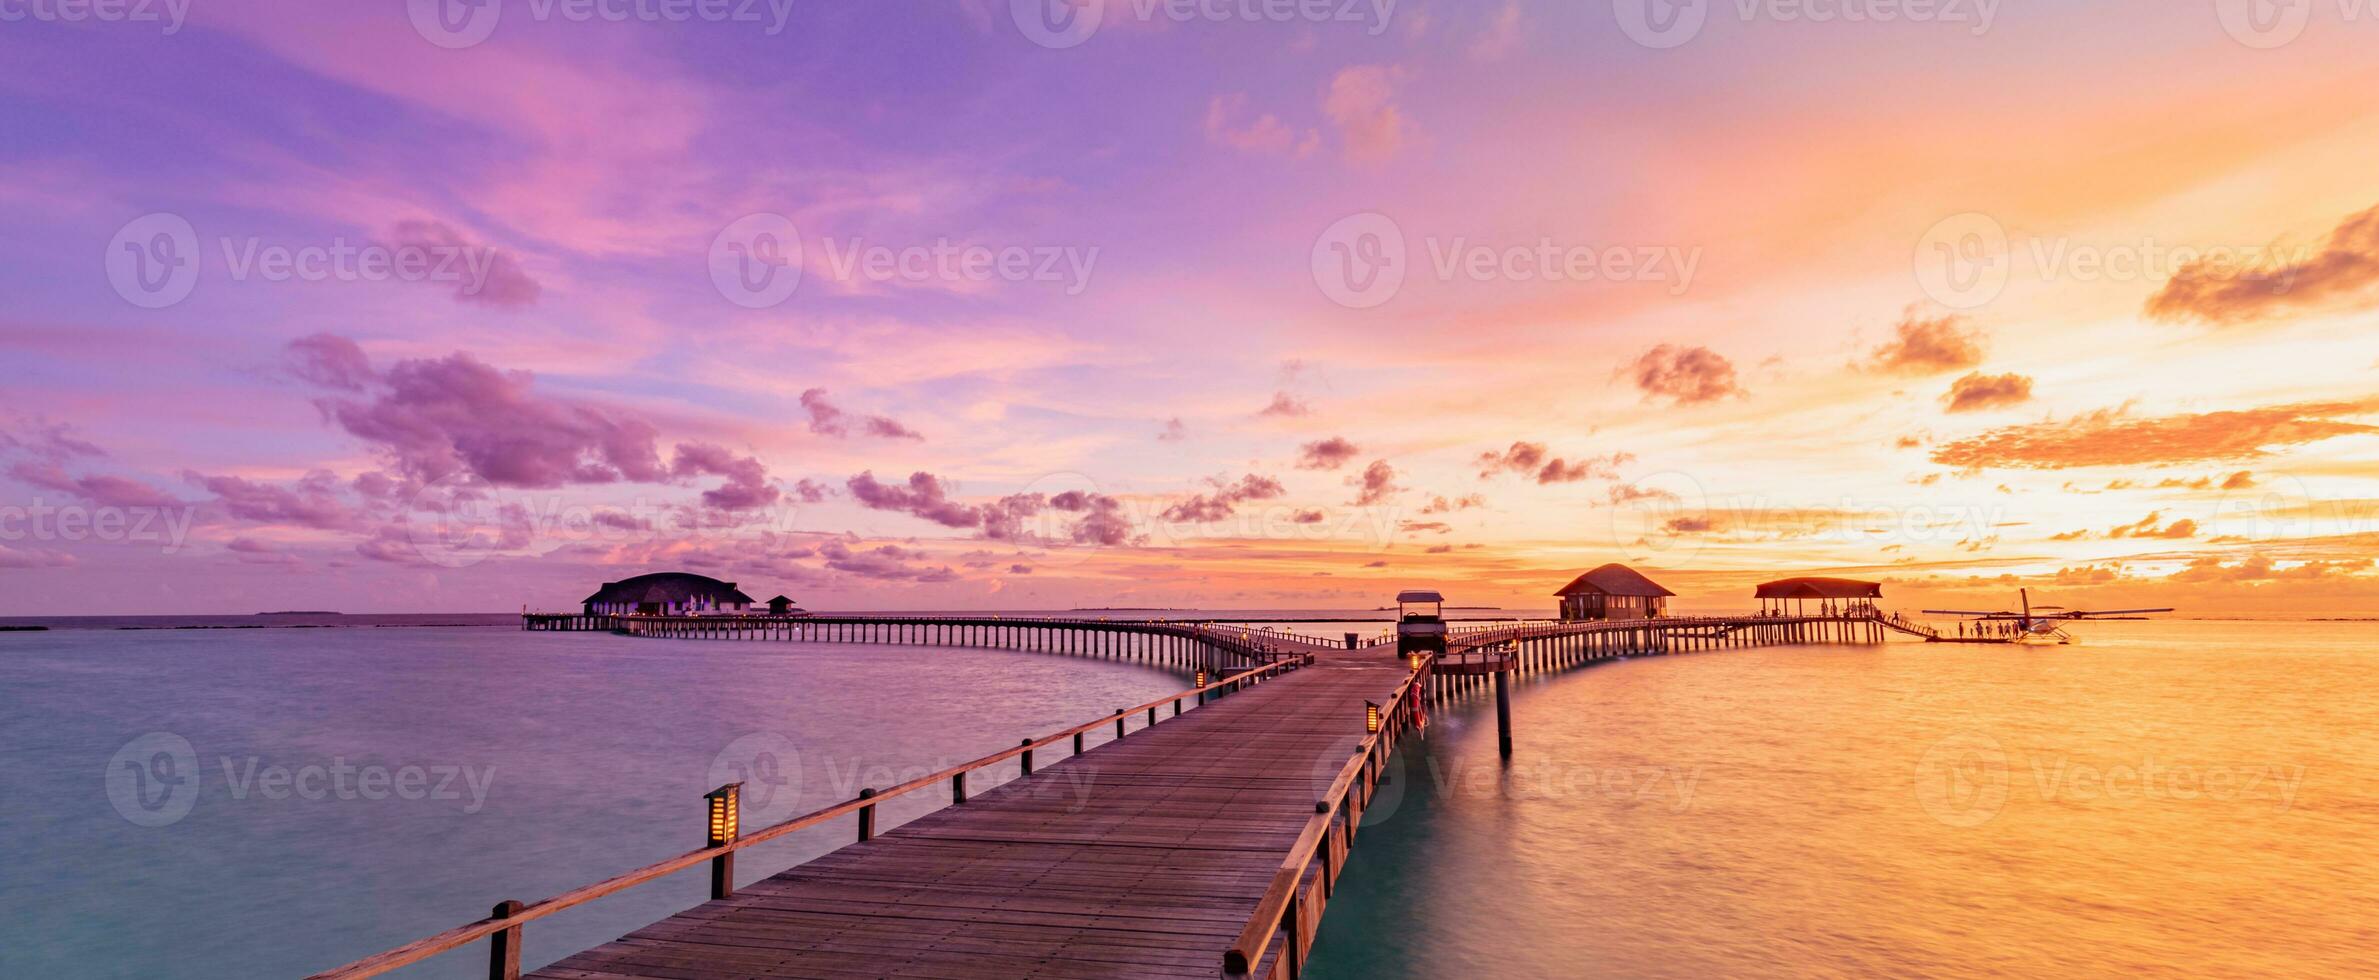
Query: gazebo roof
{"points": [[1419, 595], [1811, 587], [1614, 579]]}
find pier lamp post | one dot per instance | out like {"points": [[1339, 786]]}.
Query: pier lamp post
{"points": [[1370, 717], [1416, 661], [726, 805]]}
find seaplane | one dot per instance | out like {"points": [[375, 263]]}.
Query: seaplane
{"points": [[2033, 625]]}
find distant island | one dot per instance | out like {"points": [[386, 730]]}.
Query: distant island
{"points": [[301, 612]]}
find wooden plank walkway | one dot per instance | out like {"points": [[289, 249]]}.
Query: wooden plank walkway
{"points": [[1143, 857]]}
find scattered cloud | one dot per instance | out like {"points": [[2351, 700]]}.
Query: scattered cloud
{"points": [[1686, 375], [1326, 454], [1361, 102], [1224, 500], [1979, 392], [2109, 437], [1174, 431], [1531, 459], [1265, 133], [2152, 526], [828, 420], [2343, 274], [1376, 485], [1285, 406], [1933, 345]]}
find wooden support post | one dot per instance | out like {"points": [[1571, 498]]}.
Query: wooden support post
{"points": [[1028, 757], [1119, 716], [867, 816], [958, 787], [503, 948], [1503, 714]]}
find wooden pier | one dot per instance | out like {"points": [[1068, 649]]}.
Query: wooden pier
{"points": [[1202, 840]]}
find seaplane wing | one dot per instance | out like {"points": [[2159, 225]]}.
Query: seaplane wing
{"points": [[2080, 614]]}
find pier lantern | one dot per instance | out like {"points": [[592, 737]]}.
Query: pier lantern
{"points": [[1418, 659], [1201, 677], [1370, 717], [725, 804]]}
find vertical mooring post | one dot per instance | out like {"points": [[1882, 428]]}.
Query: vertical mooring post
{"points": [[503, 948], [1503, 713]]}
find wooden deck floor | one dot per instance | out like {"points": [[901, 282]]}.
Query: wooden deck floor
{"points": [[1139, 858]]}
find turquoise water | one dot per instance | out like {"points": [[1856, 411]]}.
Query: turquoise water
{"points": [[2170, 799], [1815, 811], [545, 761]]}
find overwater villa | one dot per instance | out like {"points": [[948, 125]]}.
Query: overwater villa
{"points": [[670, 594], [1613, 591]]}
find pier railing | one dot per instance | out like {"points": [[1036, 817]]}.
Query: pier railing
{"points": [[503, 926], [1326, 838]]}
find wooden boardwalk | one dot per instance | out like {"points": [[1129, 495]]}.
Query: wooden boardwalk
{"points": [[1204, 845], [1144, 857]]}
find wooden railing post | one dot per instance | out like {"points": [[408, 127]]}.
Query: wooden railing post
{"points": [[958, 788], [503, 948], [1028, 757], [1120, 714], [867, 816]]}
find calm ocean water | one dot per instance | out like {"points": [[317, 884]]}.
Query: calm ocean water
{"points": [[2169, 799]]}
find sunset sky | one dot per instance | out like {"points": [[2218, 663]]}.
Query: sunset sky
{"points": [[933, 305]]}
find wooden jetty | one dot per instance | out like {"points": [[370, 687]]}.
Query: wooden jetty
{"points": [[1202, 840]]}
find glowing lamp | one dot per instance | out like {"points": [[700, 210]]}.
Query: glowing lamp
{"points": [[1201, 677], [725, 804], [1370, 718], [1417, 663]]}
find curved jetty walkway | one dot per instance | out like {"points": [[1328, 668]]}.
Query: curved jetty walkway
{"points": [[1201, 841]]}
